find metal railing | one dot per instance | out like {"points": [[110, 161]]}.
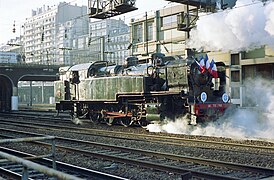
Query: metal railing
{"points": [[27, 164]]}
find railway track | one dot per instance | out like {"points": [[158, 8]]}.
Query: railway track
{"points": [[38, 115], [133, 156], [183, 165], [160, 161], [168, 140], [11, 170]]}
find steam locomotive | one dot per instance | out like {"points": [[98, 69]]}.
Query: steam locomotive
{"points": [[142, 91]]}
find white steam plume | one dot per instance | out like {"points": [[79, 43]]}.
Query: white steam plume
{"points": [[249, 25], [269, 12], [254, 122]]}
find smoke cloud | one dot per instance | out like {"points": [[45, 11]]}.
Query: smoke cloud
{"points": [[248, 25], [256, 121]]}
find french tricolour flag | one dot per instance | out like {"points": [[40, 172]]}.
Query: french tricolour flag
{"points": [[207, 64], [202, 64], [213, 69], [200, 67]]}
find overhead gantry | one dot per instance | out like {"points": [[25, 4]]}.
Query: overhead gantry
{"points": [[102, 9]]}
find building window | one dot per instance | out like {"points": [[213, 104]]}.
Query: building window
{"points": [[235, 92], [235, 59], [169, 20], [235, 76], [150, 31], [138, 33]]}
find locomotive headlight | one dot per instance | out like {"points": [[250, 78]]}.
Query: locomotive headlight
{"points": [[203, 97], [225, 98]]}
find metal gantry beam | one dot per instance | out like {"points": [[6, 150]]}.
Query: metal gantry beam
{"points": [[103, 9], [187, 19], [197, 3]]}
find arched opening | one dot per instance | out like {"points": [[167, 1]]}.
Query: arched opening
{"points": [[5, 93], [35, 90]]}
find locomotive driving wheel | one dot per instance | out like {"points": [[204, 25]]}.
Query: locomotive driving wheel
{"points": [[74, 118], [109, 121], [91, 117], [96, 118], [143, 123], [127, 121]]}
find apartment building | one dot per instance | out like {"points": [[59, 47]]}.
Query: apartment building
{"points": [[109, 40], [117, 44], [158, 32], [49, 31]]}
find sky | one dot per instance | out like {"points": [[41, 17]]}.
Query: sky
{"points": [[19, 10]]}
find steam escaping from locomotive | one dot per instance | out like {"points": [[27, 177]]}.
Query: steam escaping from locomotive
{"points": [[252, 122], [249, 25]]}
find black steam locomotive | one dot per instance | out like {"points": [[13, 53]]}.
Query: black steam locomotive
{"points": [[142, 91]]}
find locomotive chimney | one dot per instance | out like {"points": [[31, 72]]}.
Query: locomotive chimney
{"points": [[189, 56], [189, 53]]}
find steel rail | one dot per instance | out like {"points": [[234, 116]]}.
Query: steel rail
{"points": [[61, 165], [161, 138], [161, 155]]}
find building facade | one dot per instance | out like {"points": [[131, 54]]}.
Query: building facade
{"points": [[64, 34], [49, 32], [158, 32], [15, 46], [109, 40]]}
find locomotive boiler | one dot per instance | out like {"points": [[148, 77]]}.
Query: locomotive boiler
{"points": [[142, 92]]}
